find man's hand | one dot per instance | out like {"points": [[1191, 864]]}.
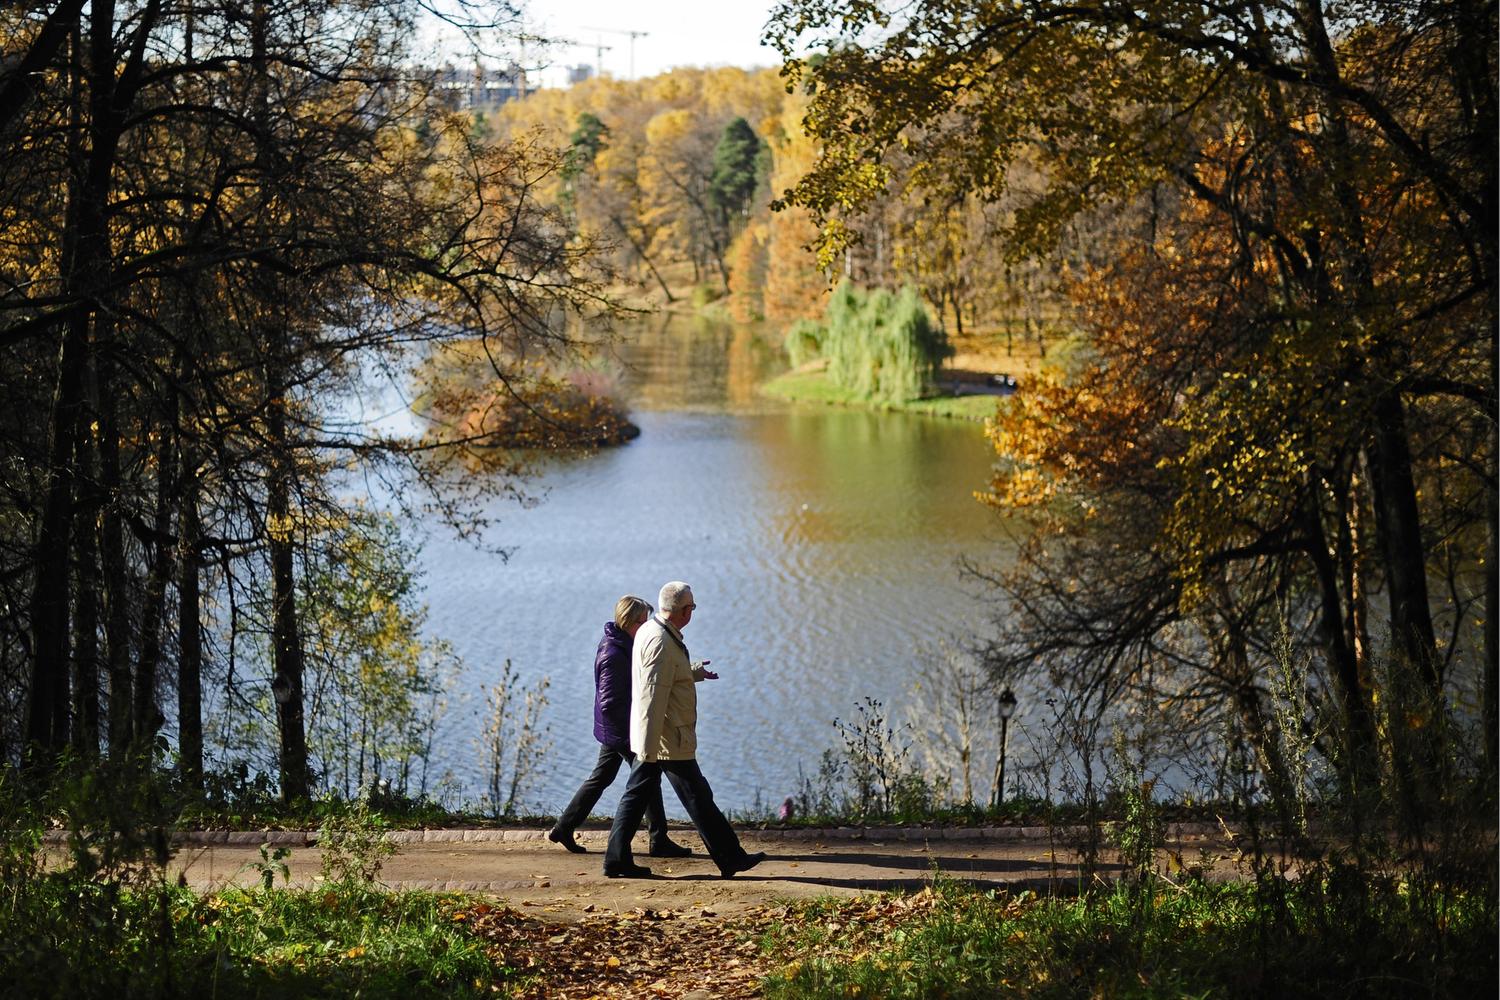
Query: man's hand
{"points": [[701, 667]]}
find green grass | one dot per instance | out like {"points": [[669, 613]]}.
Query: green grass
{"points": [[66, 937], [1325, 937], [815, 387]]}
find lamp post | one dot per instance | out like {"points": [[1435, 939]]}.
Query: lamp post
{"points": [[1007, 706]]}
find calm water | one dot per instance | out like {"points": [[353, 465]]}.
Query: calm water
{"points": [[821, 543]]}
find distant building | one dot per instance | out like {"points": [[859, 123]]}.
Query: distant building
{"points": [[580, 73], [478, 87]]}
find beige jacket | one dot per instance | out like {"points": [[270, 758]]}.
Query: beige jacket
{"points": [[663, 700]]}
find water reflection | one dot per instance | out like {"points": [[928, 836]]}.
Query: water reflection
{"points": [[821, 544], [695, 362]]}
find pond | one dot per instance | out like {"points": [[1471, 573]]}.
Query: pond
{"points": [[822, 545]]}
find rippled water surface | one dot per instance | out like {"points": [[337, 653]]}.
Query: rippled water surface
{"points": [[822, 545]]}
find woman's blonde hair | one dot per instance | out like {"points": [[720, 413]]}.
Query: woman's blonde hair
{"points": [[629, 610]]}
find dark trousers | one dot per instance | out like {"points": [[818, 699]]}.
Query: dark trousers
{"points": [[696, 797], [594, 785]]}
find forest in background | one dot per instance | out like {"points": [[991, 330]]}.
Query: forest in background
{"points": [[679, 173]]}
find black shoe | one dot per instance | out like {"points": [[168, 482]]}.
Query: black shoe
{"points": [[745, 863], [565, 838], [668, 849], [627, 871]]}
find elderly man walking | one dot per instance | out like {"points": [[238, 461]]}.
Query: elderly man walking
{"points": [[664, 739]]}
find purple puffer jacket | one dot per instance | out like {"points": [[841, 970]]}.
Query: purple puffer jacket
{"points": [[612, 688]]}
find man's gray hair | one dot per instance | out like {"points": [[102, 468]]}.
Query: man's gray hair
{"points": [[673, 596]]}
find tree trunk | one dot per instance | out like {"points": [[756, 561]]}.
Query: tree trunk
{"points": [[1359, 723], [86, 255], [1397, 516], [47, 705], [86, 623], [148, 717], [286, 642], [190, 638], [116, 577], [1491, 647], [1398, 527]]}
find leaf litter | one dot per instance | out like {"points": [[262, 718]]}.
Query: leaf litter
{"points": [[641, 952], [653, 953]]}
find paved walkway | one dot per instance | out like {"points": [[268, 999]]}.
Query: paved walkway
{"points": [[523, 868]]}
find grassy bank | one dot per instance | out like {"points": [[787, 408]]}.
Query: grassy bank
{"points": [[1332, 935], [813, 386], [74, 938]]}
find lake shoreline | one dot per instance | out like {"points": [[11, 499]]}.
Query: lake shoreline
{"points": [[813, 386]]}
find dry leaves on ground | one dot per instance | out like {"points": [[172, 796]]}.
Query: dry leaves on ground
{"points": [[640, 953], [689, 954]]}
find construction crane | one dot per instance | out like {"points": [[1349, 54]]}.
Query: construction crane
{"points": [[624, 31], [599, 49]]}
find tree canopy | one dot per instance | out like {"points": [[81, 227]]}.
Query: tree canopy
{"points": [[1277, 221], [220, 220]]}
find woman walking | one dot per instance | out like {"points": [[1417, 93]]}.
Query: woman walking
{"points": [[612, 730]]}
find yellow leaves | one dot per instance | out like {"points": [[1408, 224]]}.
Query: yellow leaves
{"points": [[280, 526], [612, 962], [668, 128]]}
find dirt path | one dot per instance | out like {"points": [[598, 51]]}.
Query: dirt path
{"points": [[522, 869]]}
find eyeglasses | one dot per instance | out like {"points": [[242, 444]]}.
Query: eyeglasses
{"points": [[691, 607]]}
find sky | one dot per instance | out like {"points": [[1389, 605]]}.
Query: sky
{"points": [[676, 33]]}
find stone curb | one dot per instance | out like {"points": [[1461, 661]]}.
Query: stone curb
{"points": [[307, 838]]}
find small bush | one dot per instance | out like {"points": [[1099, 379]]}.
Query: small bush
{"points": [[353, 845]]}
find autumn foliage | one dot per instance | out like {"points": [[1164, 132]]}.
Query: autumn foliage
{"points": [[1270, 443]]}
